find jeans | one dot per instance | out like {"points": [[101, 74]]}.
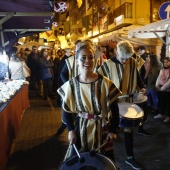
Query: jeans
{"points": [[152, 97], [36, 84], [48, 87]]}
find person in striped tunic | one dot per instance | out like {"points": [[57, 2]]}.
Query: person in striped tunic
{"points": [[69, 70], [123, 71], [92, 97]]}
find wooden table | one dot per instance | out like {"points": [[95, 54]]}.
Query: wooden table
{"points": [[10, 121]]}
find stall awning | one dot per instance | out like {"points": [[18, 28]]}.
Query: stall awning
{"points": [[122, 34], [153, 30], [21, 18]]}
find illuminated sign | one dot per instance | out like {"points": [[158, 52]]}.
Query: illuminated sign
{"points": [[55, 24], [119, 20], [60, 7]]}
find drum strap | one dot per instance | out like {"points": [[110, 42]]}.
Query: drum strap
{"points": [[86, 115]]}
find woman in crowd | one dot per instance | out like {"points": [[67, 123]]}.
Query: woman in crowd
{"points": [[46, 65], [163, 86], [93, 98], [17, 67], [154, 68]]}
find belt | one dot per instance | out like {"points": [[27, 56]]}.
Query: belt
{"points": [[86, 115]]}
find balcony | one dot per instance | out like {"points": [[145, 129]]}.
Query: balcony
{"points": [[125, 9]]}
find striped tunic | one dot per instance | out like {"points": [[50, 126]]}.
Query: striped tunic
{"points": [[72, 67], [123, 76], [94, 98], [140, 62]]}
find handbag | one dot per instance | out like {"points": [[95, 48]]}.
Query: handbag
{"points": [[26, 70]]}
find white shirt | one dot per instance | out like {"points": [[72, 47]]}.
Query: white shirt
{"points": [[16, 68]]}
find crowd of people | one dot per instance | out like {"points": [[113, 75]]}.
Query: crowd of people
{"points": [[43, 67], [89, 83]]}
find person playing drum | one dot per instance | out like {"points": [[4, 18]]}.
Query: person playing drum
{"points": [[93, 98], [122, 70]]}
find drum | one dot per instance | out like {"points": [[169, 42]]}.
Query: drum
{"points": [[131, 115], [143, 105], [95, 162], [137, 100]]}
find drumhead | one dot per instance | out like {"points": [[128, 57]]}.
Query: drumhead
{"points": [[135, 100], [130, 110], [96, 162]]}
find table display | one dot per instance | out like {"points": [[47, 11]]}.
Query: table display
{"points": [[13, 102]]}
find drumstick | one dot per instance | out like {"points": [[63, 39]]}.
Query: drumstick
{"points": [[82, 159], [93, 152], [127, 97], [123, 96], [101, 145]]}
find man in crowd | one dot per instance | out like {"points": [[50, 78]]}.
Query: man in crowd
{"points": [[143, 55], [63, 69], [33, 63]]}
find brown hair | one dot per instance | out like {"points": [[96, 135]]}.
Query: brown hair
{"points": [[154, 61], [84, 47], [167, 58], [42, 51]]}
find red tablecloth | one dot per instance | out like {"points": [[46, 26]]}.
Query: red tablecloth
{"points": [[10, 121]]}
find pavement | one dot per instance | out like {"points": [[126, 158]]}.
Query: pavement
{"points": [[36, 146]]}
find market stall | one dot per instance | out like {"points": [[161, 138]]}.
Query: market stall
{"points": [[12, 108]]}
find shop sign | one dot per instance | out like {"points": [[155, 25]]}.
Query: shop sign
{"points": [[119, 20]]}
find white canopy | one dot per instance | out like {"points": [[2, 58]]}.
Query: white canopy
{"points": [[153, 30], [29, 45]]}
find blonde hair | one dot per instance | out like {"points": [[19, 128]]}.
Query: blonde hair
{"points": [[125, 48]]}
